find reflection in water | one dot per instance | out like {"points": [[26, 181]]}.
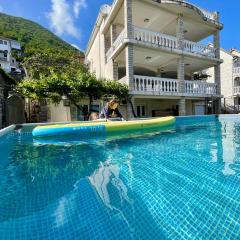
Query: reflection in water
{"points": [[108, 184], [228, 134], [105, 175]]}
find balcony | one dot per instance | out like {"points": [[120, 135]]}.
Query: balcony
{"points": [[162, 41], [163, 86], [199, 88], [236, 72], [4, 59], [116, 44], [207, 14], [236, 90]]}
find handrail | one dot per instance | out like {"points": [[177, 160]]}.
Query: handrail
{"points": [[199, 87], [198, 48], [160, 39], [208, 14], [156, 85]]}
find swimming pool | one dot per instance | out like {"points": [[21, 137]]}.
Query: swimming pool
{"points": [[182, 183]]}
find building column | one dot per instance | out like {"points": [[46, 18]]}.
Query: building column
{"points": [[115, 70], [129, 48], [181, 64], [181, 77], [128, 19], [217, 71], [180, 32]]}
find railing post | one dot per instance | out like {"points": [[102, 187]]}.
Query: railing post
{"points": [[180, 32], [217, 71], [181, 66]]}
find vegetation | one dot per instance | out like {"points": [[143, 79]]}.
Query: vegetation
{"points": [[74, 85], [55, 69], [34, 38], [7, 77]]}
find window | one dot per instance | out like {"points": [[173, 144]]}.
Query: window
{"points": [[237, 101], [1, 41], [141, 111], [5, 42], [12, 60], [79, 113]]}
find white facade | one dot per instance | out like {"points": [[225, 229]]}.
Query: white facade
{"points": [[230, 80], [7, 61], [155, 48]]}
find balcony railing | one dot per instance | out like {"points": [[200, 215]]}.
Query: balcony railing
{"points": [[165, 86], [199, 49], [160, 39], [154, 85], [3, 59], [236, 90], [142, 35], [116, 44], [206, 13], [200, 88], [236, 71]]}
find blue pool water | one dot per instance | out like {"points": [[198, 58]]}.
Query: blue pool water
{"points": [[183, 183]]}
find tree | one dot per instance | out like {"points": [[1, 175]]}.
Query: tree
{"points": [[75, 85]]}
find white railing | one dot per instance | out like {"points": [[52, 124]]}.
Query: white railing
{"points": [[167, 41], [119, 40], [155, 85], [206, 13], [200, 88], [236, 90], [116, 44], [160, 39], [200, 49], [236, 71], [109, 53]]}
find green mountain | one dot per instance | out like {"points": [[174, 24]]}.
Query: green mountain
{"points": [[33, 37]]}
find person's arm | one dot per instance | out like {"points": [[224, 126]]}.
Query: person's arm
{"points": [[116, 111], [106, 113]]}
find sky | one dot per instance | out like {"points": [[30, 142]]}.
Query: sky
{"points": [[73, 20]]}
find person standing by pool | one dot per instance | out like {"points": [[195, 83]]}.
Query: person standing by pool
{"points": [[111, 110]]}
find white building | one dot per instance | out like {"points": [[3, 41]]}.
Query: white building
{"points": [[230, 80], [7, 61], [155, 48]]}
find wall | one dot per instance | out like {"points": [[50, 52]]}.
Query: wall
{"points": [[59, 113], [156, 104], [6, 66], [226, 74], [15, 110], [96, 57]]}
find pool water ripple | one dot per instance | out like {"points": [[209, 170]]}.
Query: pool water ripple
{"points": [[183, 183]]}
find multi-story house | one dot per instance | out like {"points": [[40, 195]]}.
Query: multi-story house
{"points": [[7, 61], [230, 80], [156, 48]]}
